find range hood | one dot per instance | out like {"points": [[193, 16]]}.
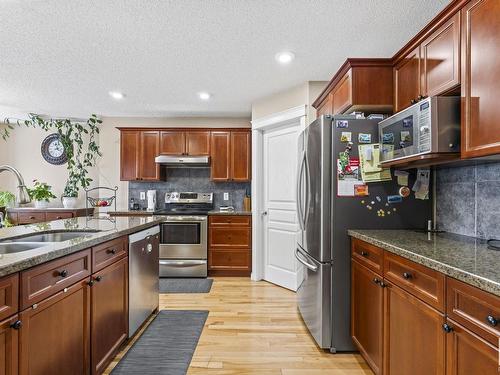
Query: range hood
{"points": [[183, 160]]}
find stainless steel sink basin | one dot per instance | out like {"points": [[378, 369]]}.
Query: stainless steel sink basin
{"points": [[49, 237], [16, 247]]}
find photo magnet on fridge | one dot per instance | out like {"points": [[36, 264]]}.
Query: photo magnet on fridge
{"points": [[342, 123], [346, 137], [364, 138]]}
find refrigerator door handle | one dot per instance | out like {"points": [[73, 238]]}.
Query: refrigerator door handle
{"points": [[308, 190], [299, 256], [298, 199]]}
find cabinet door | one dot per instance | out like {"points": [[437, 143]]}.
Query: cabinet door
{"points": [[198, 143], [129, 155], [480, 75], [367, 306], [407, 80], [109, 326], [441, 58], [54, 337], [220, 155], [149, 170], [172, 142], [342, 94], [9, 336], [414, 339], [241, 156], [468, 353], [326, 108]]}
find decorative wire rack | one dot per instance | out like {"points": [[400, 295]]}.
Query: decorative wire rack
{"points": [[100, 201]]}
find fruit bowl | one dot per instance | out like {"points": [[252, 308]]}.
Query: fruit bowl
{"points": [[100, 202]]}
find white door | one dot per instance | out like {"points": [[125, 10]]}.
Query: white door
{"points": [[280, 224]]}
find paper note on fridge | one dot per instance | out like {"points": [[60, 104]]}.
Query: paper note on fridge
{"points": [[371, 171]]}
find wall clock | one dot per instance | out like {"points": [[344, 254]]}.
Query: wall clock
{"points": [[53, 150]]}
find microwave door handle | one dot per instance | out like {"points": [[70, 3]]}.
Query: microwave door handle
{"points": [[299, 191]]}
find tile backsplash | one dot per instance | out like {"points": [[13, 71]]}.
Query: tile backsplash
{"points": [[468, 200], [195, 180]]}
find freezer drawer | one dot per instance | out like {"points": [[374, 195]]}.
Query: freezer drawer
{"points": [[183, 268]]}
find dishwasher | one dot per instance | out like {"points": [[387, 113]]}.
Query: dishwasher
{"points": [[143, 273]]}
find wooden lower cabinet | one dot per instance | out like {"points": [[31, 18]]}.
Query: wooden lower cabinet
{"points": [[109, 324], [54, 336], [367, 307], [9, 336], [414, 339], [468, 353]]}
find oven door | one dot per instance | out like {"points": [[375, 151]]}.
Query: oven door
{"points": [[184, 237]]}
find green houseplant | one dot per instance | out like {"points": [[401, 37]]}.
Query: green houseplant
{"points": [[41, 193], [7, 199], [79, 139]]}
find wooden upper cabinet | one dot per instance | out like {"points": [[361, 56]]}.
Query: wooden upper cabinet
{"points": [[407, 85], [129, 155], [220, 145], [441, 58], [240, 156], [367, 306], [326, 107], [55, 336], [172, 142], [467, 353], [413, 335], [480, 76], [359, 85], [198, 143], [342, 94], [149, 150]]}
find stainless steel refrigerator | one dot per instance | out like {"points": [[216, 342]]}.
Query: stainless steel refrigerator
{"points": [[325, 214]]}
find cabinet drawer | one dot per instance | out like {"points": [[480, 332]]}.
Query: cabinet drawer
{"points": [[224, 220], [49, 216], [474, 309], [222, 259], [423, 282], [30, 217], [44, 280], [367, 254], [9, 295], [230, 237], [109, 252]]}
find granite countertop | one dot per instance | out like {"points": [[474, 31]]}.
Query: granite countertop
{"points": [[107, 230], [236, 212], [24, 208], [464, 258], [146, 213]]}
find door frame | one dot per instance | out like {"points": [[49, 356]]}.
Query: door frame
{"points": [[260, 125]]}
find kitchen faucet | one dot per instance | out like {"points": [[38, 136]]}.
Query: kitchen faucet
{"points": [[22, 195]]}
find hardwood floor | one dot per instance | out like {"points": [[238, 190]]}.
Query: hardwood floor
{"points": [[254, 328]]}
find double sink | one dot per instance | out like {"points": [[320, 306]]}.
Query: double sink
{"points": [[34, 241]]}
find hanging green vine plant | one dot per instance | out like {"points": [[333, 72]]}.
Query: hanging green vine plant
{"points": [[74, 137]]}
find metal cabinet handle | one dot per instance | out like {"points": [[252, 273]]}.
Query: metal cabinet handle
{"points": [[407, 275], [63, 273], [376, 280], [16, 325], [111, 251], [492, 321], [447, 328], [32, 218], [98, 278], [364, 253]]}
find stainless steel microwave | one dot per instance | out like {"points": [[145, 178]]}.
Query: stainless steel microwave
{"points": [[428, 127]]}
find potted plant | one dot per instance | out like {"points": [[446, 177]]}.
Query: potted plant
{"points": [[7, 199], [70, 194], [41, 193]]}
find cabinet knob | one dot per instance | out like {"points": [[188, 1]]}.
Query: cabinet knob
{"points": [[16, 325], [32, 218], [382, 284], [447, 328], [63, 273], [407, 275], [420, 97], [98, 278], [364, 253], [376, 280], [111, 251], [58, 218], [413, 101], [492, 321], [91, 282]]}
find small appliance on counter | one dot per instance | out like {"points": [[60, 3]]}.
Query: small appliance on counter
{"points": [[151, 194]]}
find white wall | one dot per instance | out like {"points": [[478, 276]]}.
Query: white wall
{"points": [[22, 150]]}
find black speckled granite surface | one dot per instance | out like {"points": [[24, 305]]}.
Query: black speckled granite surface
{"points": [[464, 258], [107, 230]]}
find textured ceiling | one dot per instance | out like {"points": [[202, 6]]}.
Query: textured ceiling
{"points": [[61, 57]]}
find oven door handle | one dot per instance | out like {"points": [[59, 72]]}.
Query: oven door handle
{"points": [[182, 263]]}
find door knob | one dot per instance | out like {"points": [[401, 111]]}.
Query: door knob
{"points": [[264, 213]]}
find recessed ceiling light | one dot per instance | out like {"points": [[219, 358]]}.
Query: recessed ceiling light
{"points": [[284, 57], [204, 95], [116, 95]]}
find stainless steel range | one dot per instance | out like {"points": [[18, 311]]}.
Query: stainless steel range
{"points": [[183, 238]]}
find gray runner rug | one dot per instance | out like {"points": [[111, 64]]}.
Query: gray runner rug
{"points": [[166, 346], [185, 285]]}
